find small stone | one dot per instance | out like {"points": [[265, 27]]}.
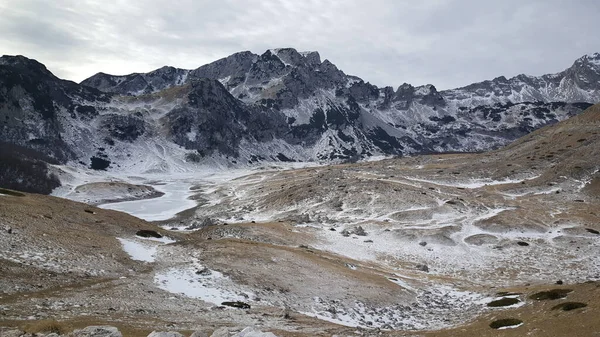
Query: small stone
{"points": [[423, 243], [360, 231], [423, 267], [204, 272]]}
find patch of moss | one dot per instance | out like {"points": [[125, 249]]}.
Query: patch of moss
{"points": [[505, 302], [506, 322], [553, 294], [146, 233], [568, 306], [237, 304], [11, 192]]}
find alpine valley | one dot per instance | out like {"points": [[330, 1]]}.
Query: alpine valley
{"points": [[274, 195]]}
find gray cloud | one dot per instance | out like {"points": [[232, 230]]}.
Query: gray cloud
{"points": [[448, 43]]}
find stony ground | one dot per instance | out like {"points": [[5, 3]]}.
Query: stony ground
{"points": [[403, 247]]}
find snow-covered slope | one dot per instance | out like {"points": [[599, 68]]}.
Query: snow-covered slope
{"points": [[279, 106]]}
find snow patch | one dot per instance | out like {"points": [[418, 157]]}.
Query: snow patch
{"points": [[139, 251], [175, 200], [207, 285]]}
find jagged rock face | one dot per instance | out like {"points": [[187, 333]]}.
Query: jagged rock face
{"points": [[214, 121], [36, 106], [281, 105], [137, 84]]}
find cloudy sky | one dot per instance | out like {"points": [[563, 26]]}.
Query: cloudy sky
{"points": [[448, 43]]}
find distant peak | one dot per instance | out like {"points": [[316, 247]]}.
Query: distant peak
{"points": [[593, 58], [23, 62]]}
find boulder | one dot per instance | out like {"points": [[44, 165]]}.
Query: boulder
{"points": [[253, 332], [165, 334]]}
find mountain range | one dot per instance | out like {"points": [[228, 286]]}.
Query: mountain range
{"points": [[282, 105]]}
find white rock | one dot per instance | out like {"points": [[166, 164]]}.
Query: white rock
{"points": [[253, 332], [97, 331], [165, 334]]}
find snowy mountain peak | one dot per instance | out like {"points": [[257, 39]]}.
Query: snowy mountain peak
{"points": [[592, 59], [281, 105]]}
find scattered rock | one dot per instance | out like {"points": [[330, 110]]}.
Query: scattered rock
{"points": [[559, 282], [12, 333], [423, 243], [237, 304], [206, 222], [165, 334], [146, 233], [97, 331], [89, 211], [523, 243], [593, 231], [504, 323]]}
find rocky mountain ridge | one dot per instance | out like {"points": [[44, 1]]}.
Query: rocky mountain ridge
{"points": [[279, 106]]}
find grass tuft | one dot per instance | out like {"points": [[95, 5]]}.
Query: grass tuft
{"points": [[568, 306], [47, 327], [507, 322], [553, 294], [11, 192], [505, 302]]}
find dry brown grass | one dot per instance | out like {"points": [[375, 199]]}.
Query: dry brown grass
{"points": [[48, 326]]}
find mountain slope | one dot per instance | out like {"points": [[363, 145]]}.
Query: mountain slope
{"points": [[279, 106]]}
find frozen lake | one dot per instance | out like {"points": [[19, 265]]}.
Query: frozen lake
{"points": [[175, 200]]}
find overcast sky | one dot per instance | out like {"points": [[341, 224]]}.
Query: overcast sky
{"points": [[448, 43]]}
